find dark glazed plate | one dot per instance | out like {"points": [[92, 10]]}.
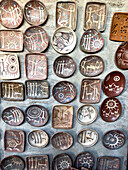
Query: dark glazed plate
{"points": [[36, 39], [61, 162], [91, 41], [12, 162], [85, 160], [36, 66], [63, 40], [119, 27], [121, 56], [62, 116], [95, 16], [14, 141], [110, 109], [11, 14], [62, 141], [64, 66], [113, 139], [35, 12], [13, 116], [114, 84], [11, 40], [36, 115], [64, 92], [66, 14], [91, 66]]}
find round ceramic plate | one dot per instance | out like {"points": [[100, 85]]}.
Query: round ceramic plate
{"points": [[35, 12], [11, 14], [91, 66], [91, 41], [114, 84], [64, 40], [110, 109], [36, 39], [36, 115], [64, 92], [64, 66]]}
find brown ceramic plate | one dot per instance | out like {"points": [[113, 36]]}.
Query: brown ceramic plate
{"points": [[91, 66], [11, 14], [90, 91], [121, 56], [113, 139], [119, 27], [12, 91], [64, 66], [37, 162], [85, 160], [86, 114], [12, 162], [66, 14], [9, 68], [12, 116], [14, 141], [91, 41], [114, 84], [95, 16], [11, 40], [61, 161], [64, 40], [36, 115], [64, 92], [38, 138], [62, 116], [35, 12], [110, 109], [107, 162], [36, 39]]}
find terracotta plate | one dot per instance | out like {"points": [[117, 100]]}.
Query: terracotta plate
{"points": [[113, 139], [64, 40], [13, 116], [64, 92], [114, 84], [38, 138], [91, 66], [61, 161], [12, 162], [64, 66], [91, 41], [110, 109], [86, 114], [11, 13], [35, 12], [84, 159], [36, 39]]}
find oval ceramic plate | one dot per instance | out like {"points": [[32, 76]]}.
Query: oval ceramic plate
{"points": [[91, 41], [110, 109], [86, 114], [64, 66], [87, 137], [36, 115], [38, 138], [91, 66], [62, 140], [64, 40], [113, 139], [64, 92], [13, 116], [114, 84], [12, 162], [36, 39], [11, 14]]}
